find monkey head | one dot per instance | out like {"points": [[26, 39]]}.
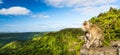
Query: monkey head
{"points": [[86, 25]]}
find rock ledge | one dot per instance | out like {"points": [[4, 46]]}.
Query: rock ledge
{"points": [[100, 51]]}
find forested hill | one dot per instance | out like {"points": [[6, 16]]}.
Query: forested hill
{"points": [[63, 42], [68, 31], [109, 22], [22, 36], [66, 42]]}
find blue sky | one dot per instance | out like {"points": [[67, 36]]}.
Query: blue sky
{"points": [[49, 15]]}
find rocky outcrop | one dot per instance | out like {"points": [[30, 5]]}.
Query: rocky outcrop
{"points": [[100, 51], [114, 49]]}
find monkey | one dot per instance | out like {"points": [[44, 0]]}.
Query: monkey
{"points": [[86, 37], [95, 36], [87, 34]]}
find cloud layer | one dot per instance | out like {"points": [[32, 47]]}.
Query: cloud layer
{"points": [[93, 10], [16, 10], [84, 7], [73, 3]]}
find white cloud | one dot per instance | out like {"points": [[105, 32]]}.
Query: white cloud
{"points": [[85, 7], [74, 3], [62, 3], [93, 10], [16, 10], [40, 16], [97, 2]]}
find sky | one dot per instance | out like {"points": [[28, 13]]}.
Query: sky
{"points": [[49, 15]]}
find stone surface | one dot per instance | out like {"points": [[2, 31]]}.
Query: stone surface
{"points": [[118, 51], [100, 51], [115, 43]]}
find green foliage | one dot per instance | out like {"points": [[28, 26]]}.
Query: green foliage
{"points": [[109, 22], [63, 42]]}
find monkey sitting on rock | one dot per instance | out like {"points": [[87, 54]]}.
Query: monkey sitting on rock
{"points": [[93, 35]]}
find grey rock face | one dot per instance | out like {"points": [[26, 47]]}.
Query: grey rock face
{"points": [[100, 51]]}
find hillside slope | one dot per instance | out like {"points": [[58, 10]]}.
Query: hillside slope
{"points": [[63, 42], [8, 37]]}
